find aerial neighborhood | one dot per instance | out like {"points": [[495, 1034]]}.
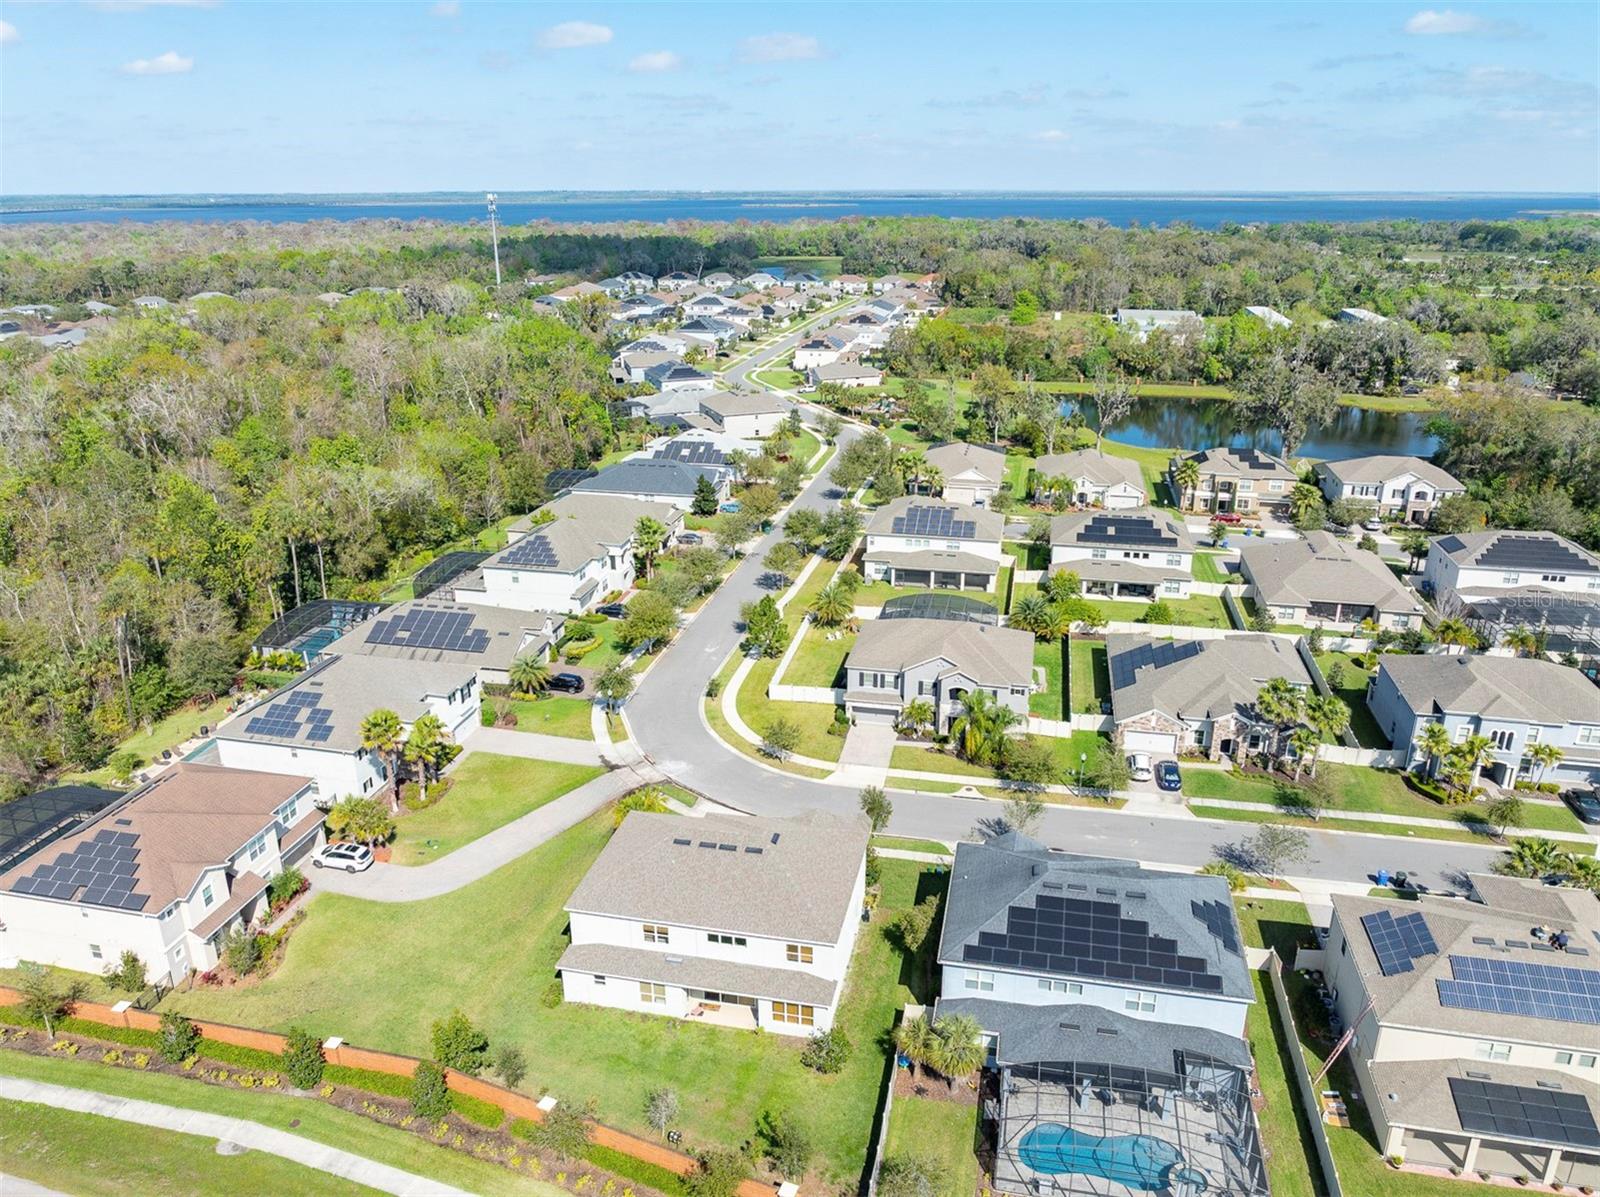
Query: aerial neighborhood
{"points": [[778, 744]]}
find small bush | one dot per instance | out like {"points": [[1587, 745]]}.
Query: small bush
{"points": [[128, 974], [553, 994], [510, 1064], [430, 1096], [385, 1084], [180, 1038], [239, 1057], [476, 1109], [827, 1052], [302, 1060]]}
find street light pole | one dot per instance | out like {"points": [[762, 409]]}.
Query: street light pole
{"points": [[494, 235], [1083, 758]]}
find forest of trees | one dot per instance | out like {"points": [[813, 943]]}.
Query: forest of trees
{"points": [[174, 483]]}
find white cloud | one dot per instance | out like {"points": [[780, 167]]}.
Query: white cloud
{"points": [[779, 47], [570, 34], [1051, 135], [1431, 23], [8, 34], [656, 61], [170, 63], [446, 8]]}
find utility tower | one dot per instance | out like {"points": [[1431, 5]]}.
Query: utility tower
{"points": [[494, 235]]}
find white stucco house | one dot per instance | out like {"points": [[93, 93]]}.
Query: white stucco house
{"points": [[912, 541], [970, 474], [748, 416], [1142, 553], [1086, 478], [1408, 488]]}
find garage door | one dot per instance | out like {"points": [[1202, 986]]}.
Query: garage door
{"points": [[879, 715], [1154, 742]]}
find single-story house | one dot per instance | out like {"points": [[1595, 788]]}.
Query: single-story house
{"points": [[656, 480], [969, 473], [846, 374]]}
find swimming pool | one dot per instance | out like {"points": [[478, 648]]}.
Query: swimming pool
{"points": [[1140, 1162]]}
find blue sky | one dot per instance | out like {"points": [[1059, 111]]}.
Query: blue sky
{"points": [[116, 96]]}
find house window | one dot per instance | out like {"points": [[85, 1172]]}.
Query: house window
{"points": [[1275, 487], [983, 982], [732, 941], [1487, 1050], [1175, 559], [599, 980], [206, 896], [1402, 621], [798, 953], [654, 933], [652, 993], [1140, 1003], [1097, 554], [257, 846], [94, 950], [1050, 986], [1534, 733], [1552, 577], [794, 1013], [1170, 588], [1509, 579], [1503, 739], [1589, 735]]}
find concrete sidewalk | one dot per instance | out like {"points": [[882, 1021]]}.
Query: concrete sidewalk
{"points": [[1402, 821], [403, 883], [230, 1130]]}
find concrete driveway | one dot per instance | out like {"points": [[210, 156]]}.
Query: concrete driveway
{"points": [[869, 746]]}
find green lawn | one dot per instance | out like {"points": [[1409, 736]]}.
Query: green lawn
{"points": [[1208, 568], [168, 732], [804, 447], [712, 708], [943, 1132], [1353, 693], [86, 1154], [1292, 1166], [818, 661], [1199, 611], [317, 1122], [609, 649], [812, 718], [1028, 555], [874, 594], [1050, 702], [490, 949], [1248, 607], [905, 845], [1066, 750], [1370, 791], [555, 715], [777, 376], [489, 791], [1088, 675]]}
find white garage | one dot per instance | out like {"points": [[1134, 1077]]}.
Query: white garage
{"points": [[881, 716], [1155, 743]]}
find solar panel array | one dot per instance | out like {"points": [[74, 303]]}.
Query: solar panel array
{"points": [[692, 453], [1517, 987], [533, 550], [921, 520], [1124, 666], [100, 871], [1524, 1112], [1398, 941], [1218, 919], [1140, 532], [1531, 552], [1089, 938], [430, 627], [297, 715]]}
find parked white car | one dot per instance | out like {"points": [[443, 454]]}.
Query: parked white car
{"points": [[341, 854], [1141, 767]]}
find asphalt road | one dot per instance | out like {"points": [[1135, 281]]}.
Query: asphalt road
{"points": [[666, 720]]}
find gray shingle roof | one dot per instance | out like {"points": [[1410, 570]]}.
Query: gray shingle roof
{"points": [[582, 525], [989, 879], [1533, 551], [781, 878], [698, 972], [1384, 466], [504, 628], [1141, 528], [1099, 468], [648, 476], [1525, 688], [1321, 568], [989, 525], [990, 656], [958, 457], [1078, 1033], [1196, 679], [740, 403]]}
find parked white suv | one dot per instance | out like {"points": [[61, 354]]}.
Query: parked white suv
{"points": [[341, 854], [1140, 766]]}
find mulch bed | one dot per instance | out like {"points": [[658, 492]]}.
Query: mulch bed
{"points": [[933, 1087]]}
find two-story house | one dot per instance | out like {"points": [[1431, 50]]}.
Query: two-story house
{"points": [[677, 280], [912, 541], [1475, 1027], [312, 727], [1402, 486], [1089, 479], [673, 375], [1469, 565], [970, 474], [1234, 480], [488, 638], [744, 414], [164, 872], [896, 662], [568, 562], [1327, 582], [709, 332], [740, 922], [1171, 697], [1136, 554], [821, 350], [1515, 702], [656, 480]]}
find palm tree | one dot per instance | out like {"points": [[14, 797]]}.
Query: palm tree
{"points": [[1279, 704], [933, 479], [424, 747], [1187, 475], [914, 1039], [1305, 742], [1434, 740], [981, 729], [910, 465], [1474, 753], [1033, 613], [528, 674], [649, 538], [1522, 641], [959, 1047], [382, 733], [917, 716], [1582, 871], [1303, 499], [832, 605], [1544, 758], [1532, 856], [1330, 717], [1454, 632]]}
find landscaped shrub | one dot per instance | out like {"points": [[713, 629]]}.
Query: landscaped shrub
{"points": [[576, 650], [241, 951], [564, 1131], [239, 1057], [639, 1171], [827, 1052], [718, 1173], [386, 1084], [430, 1096], [285, 886], [179, 1038], [128, 973], [460, 1045], [302, 1060]]}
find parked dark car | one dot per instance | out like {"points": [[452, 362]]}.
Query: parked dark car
{"points": [[567, 683], [1584, 803], [614, 610], [691, 538], [1168, 777]]}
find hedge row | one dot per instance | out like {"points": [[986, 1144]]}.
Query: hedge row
{"points": [[640, 1171]]}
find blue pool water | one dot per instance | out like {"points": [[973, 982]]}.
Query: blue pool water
{"points": [[1139, 1162]]}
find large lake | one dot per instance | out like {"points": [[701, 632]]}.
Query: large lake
{"points": [[1204, 209], [1206, 423]]}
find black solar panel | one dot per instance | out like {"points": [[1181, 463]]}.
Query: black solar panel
{"points": [[1134, 531], [1218, 919], [560, 480], [1547, 991], [430, 627], [1397, 942], [100, 871], [533, 550], [921, 520], [1125, 666], [1524, 1112], [692, 453], [1511, 550], [293, 716]]}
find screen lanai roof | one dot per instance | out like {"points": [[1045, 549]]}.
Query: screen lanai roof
{"points": [[292, 629], [34, 820]]}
